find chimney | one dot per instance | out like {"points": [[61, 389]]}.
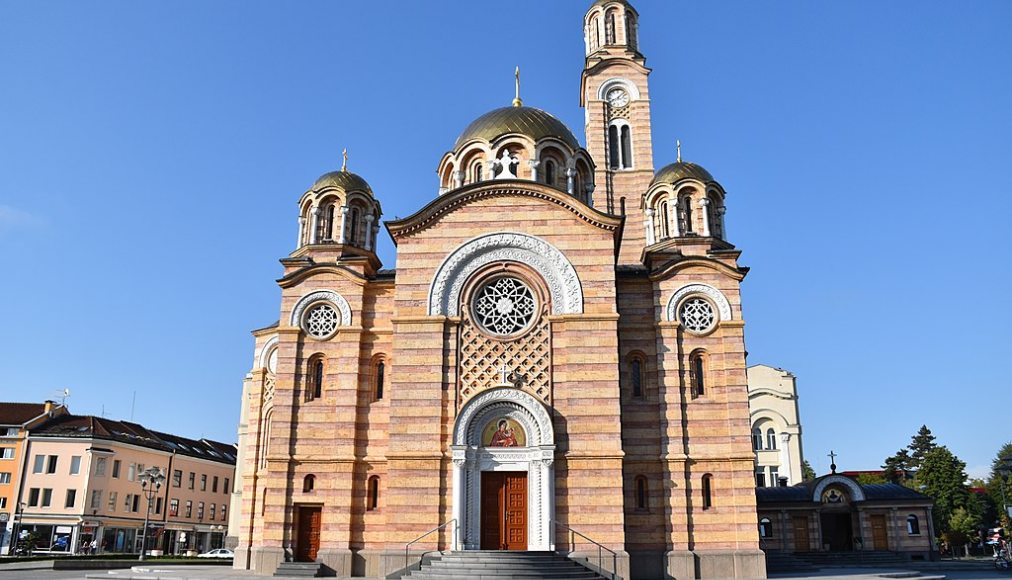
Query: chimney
{"points": [[49, 407]]}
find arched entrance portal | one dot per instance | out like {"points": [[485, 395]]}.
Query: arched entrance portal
{"points": [[503, 477], [838, 519]]}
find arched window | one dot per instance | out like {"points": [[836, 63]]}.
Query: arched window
{"points": [[263, 504], [913, 525], [614, 159], [716, 217], [265, 438], [697, 374], [630, 31], [476, 171], [626, 147], [550, 172], [771, 439], [641, 492], [381, 372], [765, 528], [308, 483], [314, 390], [352, 235], [685, 214], [757, 439], [372, 495], [595, 34], [609, 28], [663, 225], [707, 491], [328, 232], [636, 376]]}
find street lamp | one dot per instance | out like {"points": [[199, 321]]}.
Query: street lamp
{"points": [[151, 482]]}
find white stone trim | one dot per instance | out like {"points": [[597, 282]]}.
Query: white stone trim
{"points": [[266, 350], [560, 275], [537, 459], [856, 494], [723, 306], [331, 296], [629, 86]]}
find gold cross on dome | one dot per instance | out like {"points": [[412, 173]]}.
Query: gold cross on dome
{"points": [[678, 148], [344, 164]]}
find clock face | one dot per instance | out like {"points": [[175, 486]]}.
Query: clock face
{"points": [[618, 98]]}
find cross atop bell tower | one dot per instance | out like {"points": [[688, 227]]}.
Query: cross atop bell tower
{"points": [[614, 92]]}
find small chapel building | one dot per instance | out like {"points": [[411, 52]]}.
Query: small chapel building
{"points": [[561, 347]]}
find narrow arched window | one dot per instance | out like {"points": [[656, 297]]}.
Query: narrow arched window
{"points": [[476, 172], [765, 528], [352, 236], [609, 28], [697, 374], [308, 483], [630, 31], [550, 172], [636, 377], [771, 439], [372, 495], [328, 233], [595, 38], [716, 217], [626, 147], [613, 148], [685, 214], [913, 525], [641, 492], [316, 381], [707, 491], [665, 227], [265, 438], [757, 439], [381, 371]]}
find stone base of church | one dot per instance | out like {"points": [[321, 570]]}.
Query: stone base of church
{"points": [[263, 560], [337, 560], [621, 561], [646, 564], [731, 563], [680, 564]]}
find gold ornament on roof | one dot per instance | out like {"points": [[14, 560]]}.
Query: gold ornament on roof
{"points": [[678, 149], [516, 100], [344, 163]]}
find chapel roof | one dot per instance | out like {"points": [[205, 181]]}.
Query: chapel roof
{"points": [[529, 121], [344, 180], [679, 170]]}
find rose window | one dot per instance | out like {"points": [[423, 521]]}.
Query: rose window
{"points": [[321, 320], [697, 315], [504, 306]]}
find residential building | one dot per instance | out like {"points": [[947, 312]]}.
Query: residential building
{"points": [[776, 426]]}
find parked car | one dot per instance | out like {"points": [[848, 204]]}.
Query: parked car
{"points": [[218, 553]]}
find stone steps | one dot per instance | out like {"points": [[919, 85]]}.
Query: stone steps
{"points": [[298, 569], [487, 564]]}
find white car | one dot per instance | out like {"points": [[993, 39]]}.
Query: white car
{"points": [[219, 553]]}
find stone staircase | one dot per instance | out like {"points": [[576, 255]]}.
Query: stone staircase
{"points": [[482, 564], [299, 569], [778, 562], [877, 559]]}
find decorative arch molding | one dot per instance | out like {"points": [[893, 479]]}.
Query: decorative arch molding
{"points": [[265, 352], [763, 416], [856, 493], [723, 306], [474, 415], [320, 296], [629, 86], [559, 274]]}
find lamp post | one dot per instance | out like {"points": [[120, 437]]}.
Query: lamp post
{"points": [[151, 482]]}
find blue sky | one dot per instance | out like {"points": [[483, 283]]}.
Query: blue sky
{"points": [[152, 154]]}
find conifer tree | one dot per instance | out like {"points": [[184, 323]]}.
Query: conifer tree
{"points": [[897, 466], [942, 476], [920, 444], [807, 473]]}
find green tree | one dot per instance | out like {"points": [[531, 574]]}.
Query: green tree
{"points": [[963, 526], [868, 479], [807, 473], [1002, 461], [897, 466], [942, 476], [920, 445]]}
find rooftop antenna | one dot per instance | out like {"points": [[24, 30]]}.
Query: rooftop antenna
{"points": [[516, 100], [344, 163], [62, 396]]}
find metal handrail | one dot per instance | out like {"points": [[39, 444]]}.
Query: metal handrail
{"points": [[600, 550], [435, 529]]}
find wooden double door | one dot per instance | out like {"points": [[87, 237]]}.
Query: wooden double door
{"points": [[503, 510], [307, 543]]}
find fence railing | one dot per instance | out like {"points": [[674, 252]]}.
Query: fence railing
{"points": [[453, 543]]}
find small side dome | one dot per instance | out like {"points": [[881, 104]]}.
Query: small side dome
{"points": [[528, 121], [344, 180], [679, 170]]}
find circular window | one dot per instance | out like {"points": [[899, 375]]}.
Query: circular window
{"points": [[321, 320], [504, 306], [697, 315]]}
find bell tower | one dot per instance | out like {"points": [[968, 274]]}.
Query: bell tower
{"points": [[616, 100]]}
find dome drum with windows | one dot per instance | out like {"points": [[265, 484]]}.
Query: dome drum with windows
{"points": [[684, 200], [339, 208]]}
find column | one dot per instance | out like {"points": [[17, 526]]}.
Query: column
{"points": [[590, 194], [314, 227], [534, 163], [459, 495], [894, 532], [368, 231], [570, 181], [650, 227], [344, 223], [785, 458], [547, 502], [720, 215], [673, 217], [704, 203], [458, 178], [302, 232], [375, 232]]}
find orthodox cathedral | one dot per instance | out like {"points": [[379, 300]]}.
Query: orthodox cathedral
{"points": [[570, 376]]}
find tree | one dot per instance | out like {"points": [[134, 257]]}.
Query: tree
{"points": [[807, 473], [1002, 460], [963, 525], [942, 476], [920, 444], [897, 466], [869, 478]]}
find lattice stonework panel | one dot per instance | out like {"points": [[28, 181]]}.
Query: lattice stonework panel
{"points": [[528, 358]]}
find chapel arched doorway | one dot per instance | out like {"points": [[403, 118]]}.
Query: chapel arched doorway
{"points": [[838, 515], [503, 473]]}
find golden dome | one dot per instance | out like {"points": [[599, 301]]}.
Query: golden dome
{"points": [[534, 123], [343, 179], [679, 170]]}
